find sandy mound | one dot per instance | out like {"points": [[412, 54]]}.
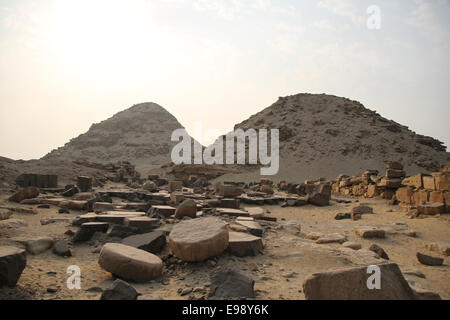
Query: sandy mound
{"points": [[324, 136], [140, 134]]}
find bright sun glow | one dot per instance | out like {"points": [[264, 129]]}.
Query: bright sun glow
{"points": [[98, 33]]}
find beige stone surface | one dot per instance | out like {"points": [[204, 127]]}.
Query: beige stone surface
{"points": [[130, 263], [199, 239]]}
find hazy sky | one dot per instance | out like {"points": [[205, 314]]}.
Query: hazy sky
{"points": [[65, 64]]}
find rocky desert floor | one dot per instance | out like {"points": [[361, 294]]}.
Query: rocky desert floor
{"points": [[289, 257]]}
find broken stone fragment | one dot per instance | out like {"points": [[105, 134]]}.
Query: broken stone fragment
{"points": [[429, 260], [5, 214], [84, 183], [431, 208], [341, 216], [369, 232], [78, 205], [36, 245], [379, 251], [233, 212], [120, 290], [99, 207], [119, 231], [152, 242], [70, 191], [175, 186], [229, 190], [61, 248], [176, 197], [255, 212], [320, 196], [25, 193], [442, 247], [142, 223], [361, 209], [13, 223], [12, 262], [150, 186], [242, 244], [351, 284], [330, 238], [161, 211], [253, 227], [229, 284], [229, 203], [187, 208], [352, 245], [314, 235], [88, 229]]}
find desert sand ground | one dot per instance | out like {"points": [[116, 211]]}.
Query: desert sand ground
{"points": [[278, 273]]}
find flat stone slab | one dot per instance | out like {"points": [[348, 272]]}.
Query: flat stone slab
{"points": [[330, 238], [251, 200], [12, 262], [162, 211], [352, 245], [199, 239], [88, 229], [351, 284], [78, 205], [53, 201], [117, 217], [45, 221], [242, 244], [233, 212], [99, 207], [130, 263], [152, 242], [143, 223], [255, 212], [370, 232], [252, 226]]}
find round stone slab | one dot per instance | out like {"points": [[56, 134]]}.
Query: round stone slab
{"points": [[199, 239], [130, 263]]}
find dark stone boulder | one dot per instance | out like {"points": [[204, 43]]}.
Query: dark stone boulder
{"points": [[229, 284], [120, 290], [152, 242], [12, 262]]}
